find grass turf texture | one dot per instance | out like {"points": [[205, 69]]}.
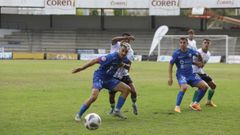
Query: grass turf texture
{"points": [[42, 98]]}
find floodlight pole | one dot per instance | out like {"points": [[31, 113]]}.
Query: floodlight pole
{"points": [[153, 23], [201, 24], [0, 17], [102, 19], [226, 49], [51, 21]]}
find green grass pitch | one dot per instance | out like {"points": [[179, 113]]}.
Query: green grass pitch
{"points": [[42, 98]]}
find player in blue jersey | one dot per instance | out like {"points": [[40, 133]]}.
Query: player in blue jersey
{"points": [[122, 74], [103, 78], [183, 58]]}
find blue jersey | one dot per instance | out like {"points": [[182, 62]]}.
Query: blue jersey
{"points": [[109, 64], [183, 61]]}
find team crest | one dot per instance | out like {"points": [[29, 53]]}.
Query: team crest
{"points": [[181, 62], [103, 58], [190, 55]]}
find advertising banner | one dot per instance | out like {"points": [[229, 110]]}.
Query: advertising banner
{"points": [[90, 56], [62, 56], [5, 55], [210, 3], [22, 3], [86, 51], [164, 7], [137, 57], [164, 58], [62, 7], [234, 59], [28, 56], [112, 4], [214, 59]]}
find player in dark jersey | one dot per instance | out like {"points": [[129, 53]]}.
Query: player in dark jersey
{"points": [[205, 53]]}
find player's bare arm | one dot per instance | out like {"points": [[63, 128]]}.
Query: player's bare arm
{"points": [[126, 66], [89, 64], [120, 38], [131, 38], [199, 62], [170, 80]]}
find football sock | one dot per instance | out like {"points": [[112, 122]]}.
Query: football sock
{"points": [[195, 96], [134, 97], [112, 106], [210, 94], [200, 95], [121, 101], [179, 98], [82, 109], [112, 98]]}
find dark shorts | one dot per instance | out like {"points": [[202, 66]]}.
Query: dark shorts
{"points": [[126, 79], [205, 77]]}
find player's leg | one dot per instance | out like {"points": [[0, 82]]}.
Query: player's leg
{"points": [[97, 86], [195, 94], [87, 103], [211, 92], [127, 80], [133, 98], [116, 85], [202, 88], [124, 89], [112, 100], [183, 88]]}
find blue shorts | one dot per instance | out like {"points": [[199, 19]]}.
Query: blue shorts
{"points": [[192, 79], [100, 82]]}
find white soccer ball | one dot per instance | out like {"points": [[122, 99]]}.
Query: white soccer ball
{"points": [[92, 121]]}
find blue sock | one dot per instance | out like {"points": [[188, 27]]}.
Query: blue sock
{"points": [[121, 101], [83, 108], [179, 98], [201, 94]]}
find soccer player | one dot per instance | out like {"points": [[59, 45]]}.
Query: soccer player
{"points": [[191, 42], [103, 78], [122, 73], [204, 51], [183, 58]]}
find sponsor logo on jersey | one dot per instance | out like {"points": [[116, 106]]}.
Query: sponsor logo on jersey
{"points": [[181, 62], [189, 55]]}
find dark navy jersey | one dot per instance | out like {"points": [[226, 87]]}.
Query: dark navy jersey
{"points": [[183, 61], [109, 64]]}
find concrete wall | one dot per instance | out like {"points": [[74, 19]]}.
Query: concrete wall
{"points": [[128, 22], [25, 21], [178, 21], [76, 22], [94, 22]]}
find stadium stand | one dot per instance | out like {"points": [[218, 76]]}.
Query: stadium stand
{"points": [[68, 41]]}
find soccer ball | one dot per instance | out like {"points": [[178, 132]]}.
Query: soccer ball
{"points": [[92, 121]]}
